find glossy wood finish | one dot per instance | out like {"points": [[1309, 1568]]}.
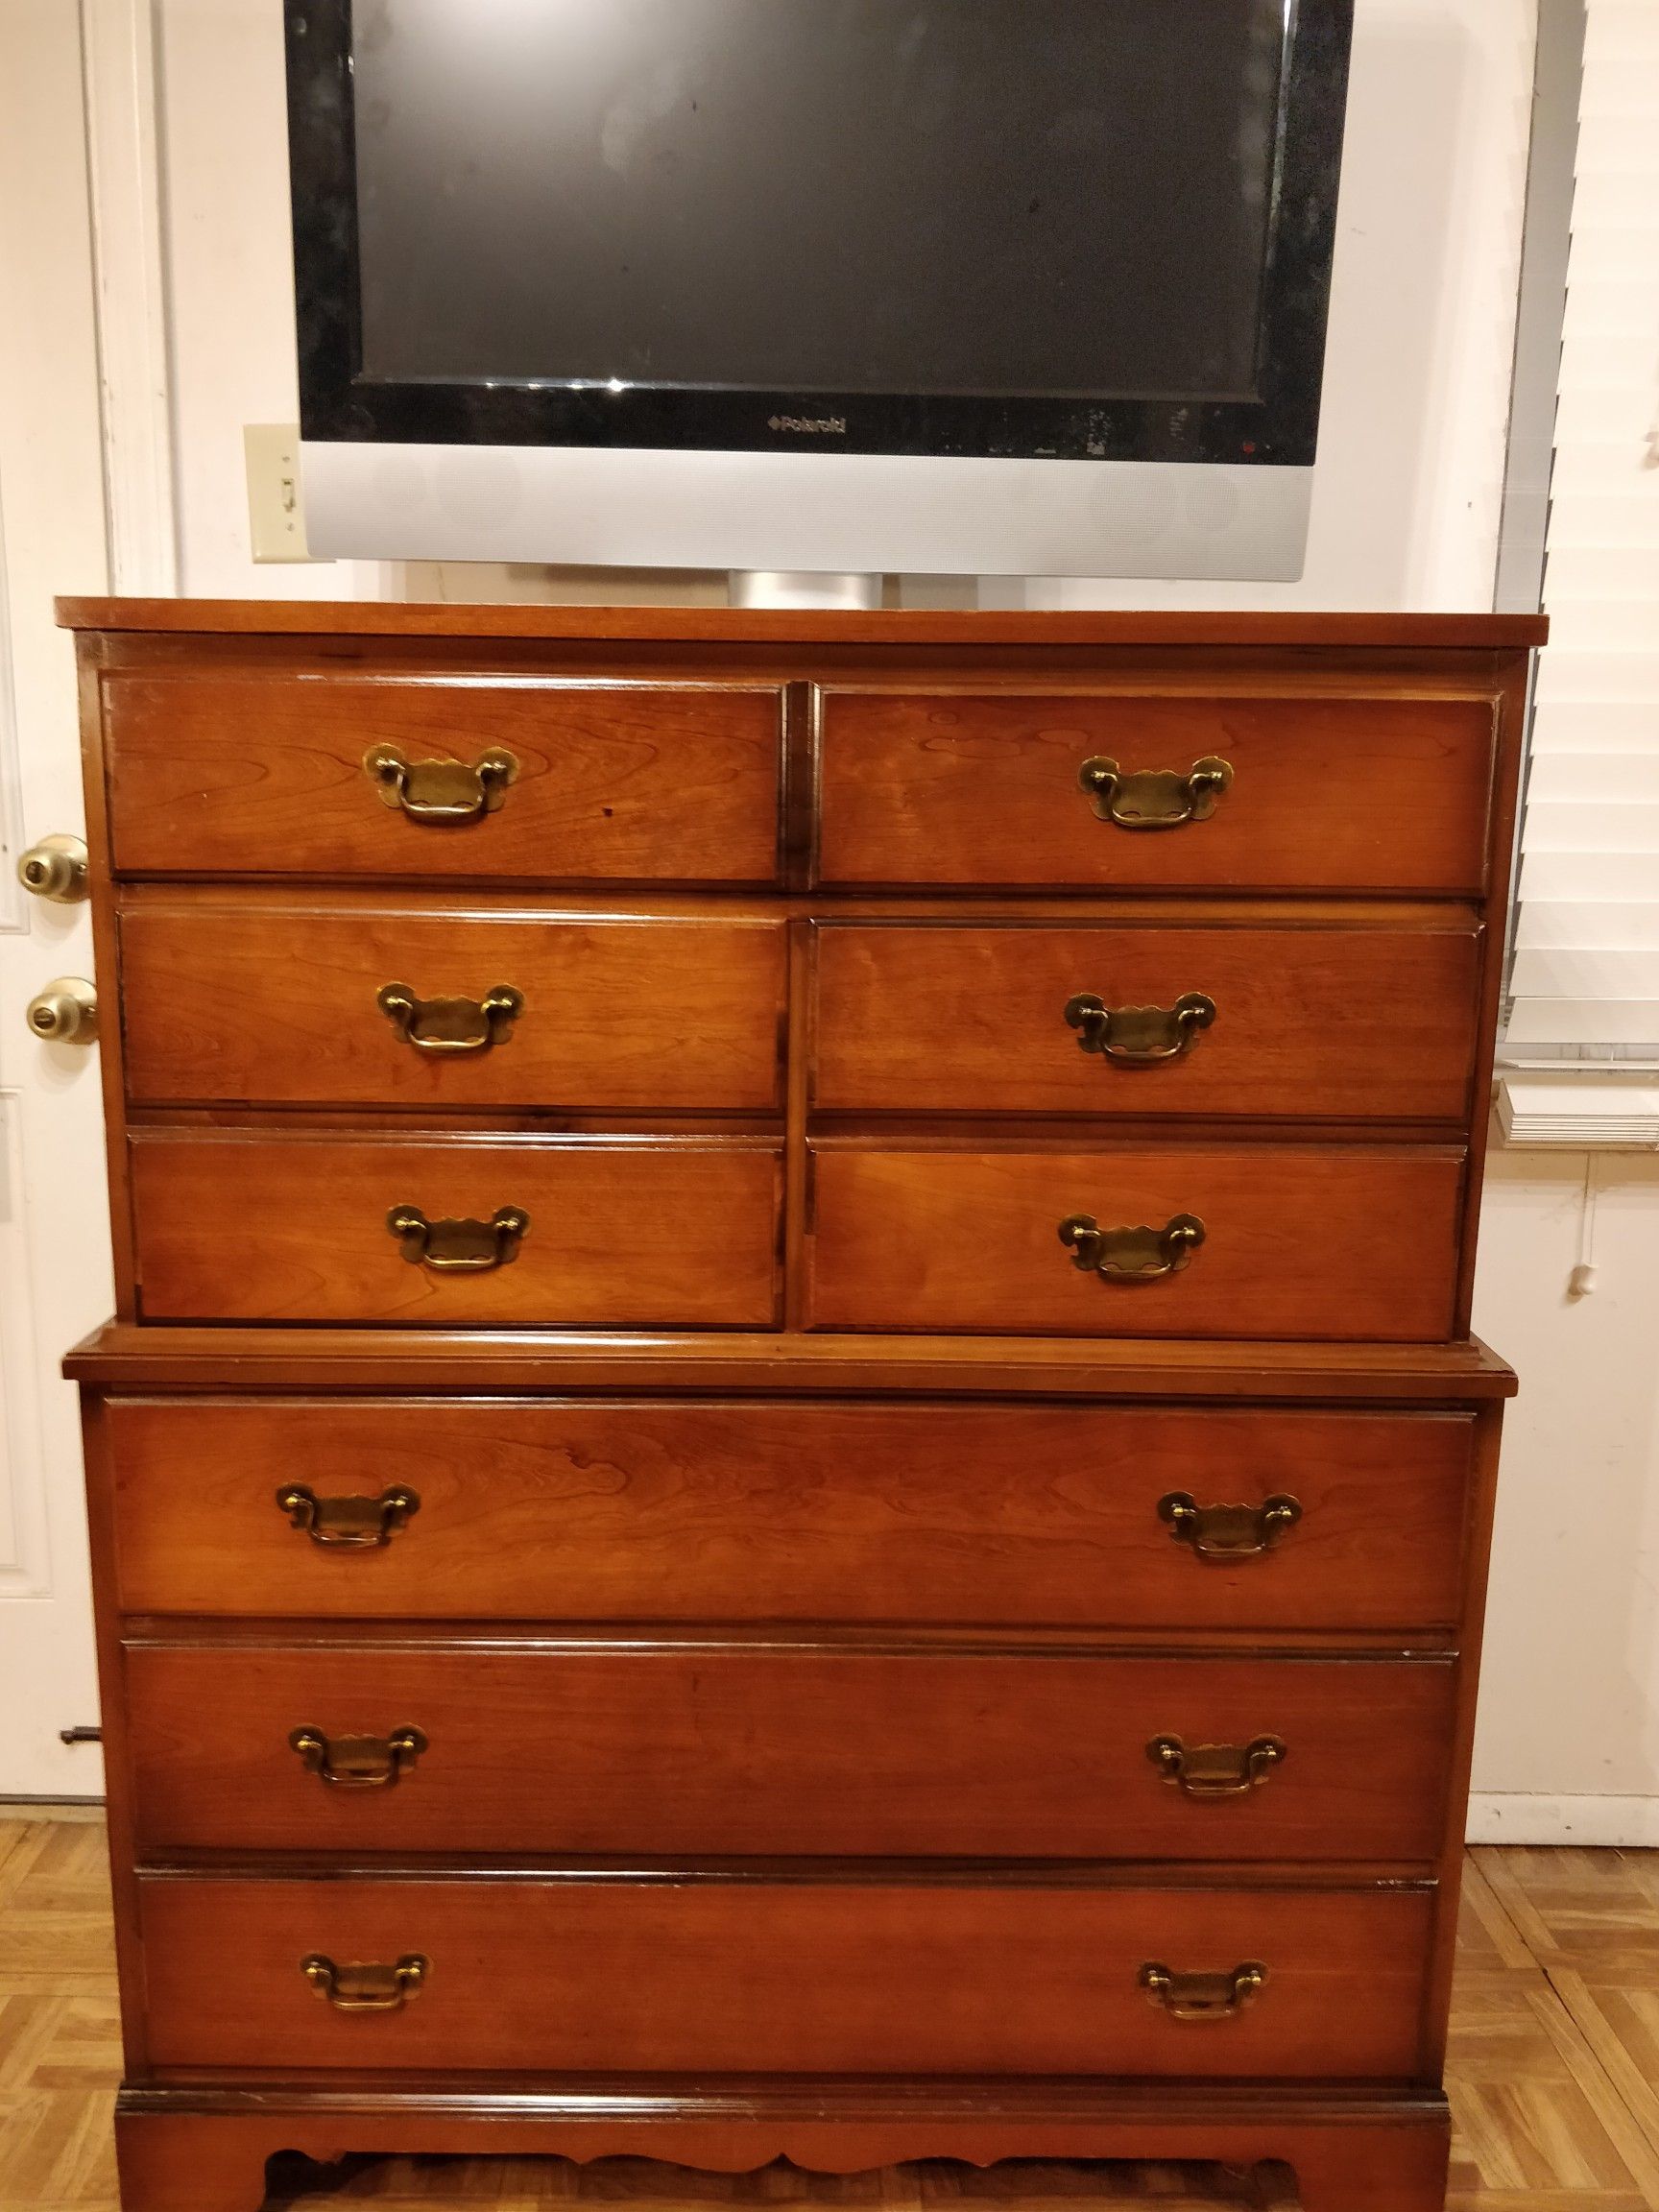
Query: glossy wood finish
{"points": [[940, 1513], [1301, 1241], [706, 1977], [699, 1748], [237, 775], [248, 1001], [1322, 1020], [786, 1669], [293, 1228], [955, 786]]}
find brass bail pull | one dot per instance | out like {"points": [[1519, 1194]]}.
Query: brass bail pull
{"points": [[348, 1523], [441, 792], [447, 1025], [1140, 1036], [358, 1762], [353, 1989], [1202, 1996], [1228, 1531], [465, 1247], [1216, 1770], [1137, 1255], [1154, 798]]}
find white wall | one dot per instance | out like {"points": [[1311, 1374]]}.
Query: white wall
{"points": [[1406, 514]]}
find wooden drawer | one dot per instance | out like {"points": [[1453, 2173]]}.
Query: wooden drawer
{"points": [[804, 1511], [613, 1012], [268, 1227], [802, 1977], [1327, 792], [1313, 1021], [1305, 1240], [253, 774], [699, 1748]]}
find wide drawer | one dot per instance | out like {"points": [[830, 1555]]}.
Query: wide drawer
{"points": [[800, 1977], [1332, 1021], [1323, 793], [441, 1006], [1298, 1240], [252, 775], [703, 1747], [927, 1512], [266, 1227]]}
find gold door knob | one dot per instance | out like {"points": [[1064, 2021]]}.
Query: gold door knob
{"points": [[1138, 1036], [65, 1012], [465, 1247], [1130, 1255], [1228, 1531], [441, 792], [56, 868], [1216, 1770], [348, 1523], [1155, 797], [359, 1762]]}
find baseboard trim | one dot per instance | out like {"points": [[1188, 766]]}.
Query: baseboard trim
{"points": [[1519, 1816]]}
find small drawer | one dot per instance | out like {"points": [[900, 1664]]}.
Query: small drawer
{"points": [[696, 1747], [1057, 789], [259, 1226], [1153, 1517], [255, 1002], [1274, 1240], [704, 1977], [1328, 1022], [482, 776]]}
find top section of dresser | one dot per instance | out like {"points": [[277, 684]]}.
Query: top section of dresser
{"points": [[732, 751]]}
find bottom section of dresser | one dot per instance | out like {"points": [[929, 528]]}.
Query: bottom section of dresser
{"points": [[207, 2149]]}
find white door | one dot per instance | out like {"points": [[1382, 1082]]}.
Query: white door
{"points": [[55, 1273]]}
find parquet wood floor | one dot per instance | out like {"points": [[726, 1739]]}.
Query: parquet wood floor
{"points": [[1553, 2072]]}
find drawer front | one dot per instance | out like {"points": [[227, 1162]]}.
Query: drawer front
{"points": [[268, 1228], [1309, 1022], [695, 1749], [534, 1511], [984, 788], [236, 775], [804, 1977], [1314, 1241], [528, 1011]]}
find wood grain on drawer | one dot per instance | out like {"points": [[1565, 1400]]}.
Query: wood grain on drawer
{"points": [[700, 1748], [244, 775], [250, 999], [804, 1977], [264, 1226], [1327, 793], [1300, 1241], [758, 1511], [1325, 1020]]}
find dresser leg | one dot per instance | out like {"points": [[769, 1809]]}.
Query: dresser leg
{"points": [[1372, 2169], [196, 2163]]}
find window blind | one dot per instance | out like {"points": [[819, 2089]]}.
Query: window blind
{"points": [[1585, 980]]}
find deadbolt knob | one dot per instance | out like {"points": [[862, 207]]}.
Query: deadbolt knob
{"points": [[54, 868], [65, 1012]]}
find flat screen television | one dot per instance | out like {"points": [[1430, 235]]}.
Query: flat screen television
{"points": [[1005, 286]]}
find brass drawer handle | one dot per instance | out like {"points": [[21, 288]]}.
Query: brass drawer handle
{"points": [[1228, 1531], [1155, 797], [460, 1247], [1202, 1996], [348, 1523], [1138, 1255], [367, 1988], [439, 1026], [1216, 1770], [1140, 1036], [441, 791], [359, 1762]]}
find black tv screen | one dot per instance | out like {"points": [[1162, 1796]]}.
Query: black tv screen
{"points": [[1067, 197], [1085, 228]]}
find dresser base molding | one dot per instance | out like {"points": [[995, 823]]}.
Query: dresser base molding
{"points": [[195, 2150]]}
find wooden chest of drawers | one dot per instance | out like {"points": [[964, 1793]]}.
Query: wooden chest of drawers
{"points": [[791, 1463]]}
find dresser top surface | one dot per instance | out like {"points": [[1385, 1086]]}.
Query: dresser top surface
{"points": [[747, 626]]}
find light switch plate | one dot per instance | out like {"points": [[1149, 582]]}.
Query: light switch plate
{"points": [[276, 515]]}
